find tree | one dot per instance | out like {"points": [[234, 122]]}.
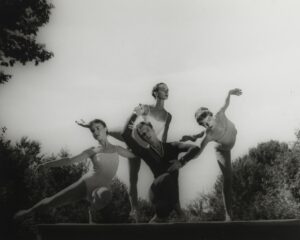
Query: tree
{"points": [[266, 185], [20, 21]]}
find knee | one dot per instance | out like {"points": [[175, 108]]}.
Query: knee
{"points": [[101, 197]]}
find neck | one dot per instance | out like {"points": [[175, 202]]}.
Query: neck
{"points": [[104, 143], [160, 103]]}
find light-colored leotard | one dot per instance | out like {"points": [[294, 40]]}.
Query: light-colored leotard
{"points": [[105, 166], [226, 132]]}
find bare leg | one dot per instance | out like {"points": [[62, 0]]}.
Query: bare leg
{"points": [[134, 167], [72, 193], [224, 161], [100, 198]]}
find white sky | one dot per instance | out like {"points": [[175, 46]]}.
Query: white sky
{"points": [[109, 54]]}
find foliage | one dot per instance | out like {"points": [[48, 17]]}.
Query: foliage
{"points": [[22, 186], [20, 21], [265, 186]]}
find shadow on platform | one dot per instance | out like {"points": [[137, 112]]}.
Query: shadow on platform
{"points": [[237, 230]]}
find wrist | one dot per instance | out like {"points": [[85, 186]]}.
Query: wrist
{"points": [[182, 162]]}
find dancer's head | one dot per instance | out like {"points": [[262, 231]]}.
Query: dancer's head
{"points": [[160, 91], [203, 116], [97, 127], [145, 131]]}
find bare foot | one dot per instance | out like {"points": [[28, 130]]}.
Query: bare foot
{"points": [[21, 214]]}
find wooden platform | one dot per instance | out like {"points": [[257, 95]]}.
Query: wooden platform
{"points": [[237, 230]]}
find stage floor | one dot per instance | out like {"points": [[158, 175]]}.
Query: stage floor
{"points": [[239, 230]]}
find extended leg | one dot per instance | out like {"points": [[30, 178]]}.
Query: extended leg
{"points": [[224, 161], [134, 168], [72, 193]]}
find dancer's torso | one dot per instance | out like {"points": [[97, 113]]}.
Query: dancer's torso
{"points": [[105, 164], [224, 131]]}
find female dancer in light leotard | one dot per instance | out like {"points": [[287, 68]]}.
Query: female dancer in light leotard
{"points": [[222, 131], [95, 185], [160, 120]]}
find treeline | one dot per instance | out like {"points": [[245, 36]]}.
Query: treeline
{"points": [[266, 185]]}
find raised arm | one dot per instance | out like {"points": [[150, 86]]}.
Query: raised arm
{"points": [[236, 92]]}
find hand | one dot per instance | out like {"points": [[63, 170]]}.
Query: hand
{"points": [[139, 110], [235, 91], [187, 138], [176, 164], [82, 123]]}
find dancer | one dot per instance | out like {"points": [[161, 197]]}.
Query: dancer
{"points": [[160, 120], [222, 131], [94, 185], [159, 156]]}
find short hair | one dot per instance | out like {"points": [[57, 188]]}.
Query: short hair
{"points": [[155, 88], [97, 121], [140, 125]]}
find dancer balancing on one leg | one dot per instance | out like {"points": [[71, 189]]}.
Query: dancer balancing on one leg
{"points": [[94, 185], [222, 131], [160, 120]]}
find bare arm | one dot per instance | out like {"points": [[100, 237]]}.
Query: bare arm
{"points": [[236, 92], [124, 152], [68, 161]]}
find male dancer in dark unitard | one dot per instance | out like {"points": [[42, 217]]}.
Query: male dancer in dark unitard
{"points": [[159, 156]]}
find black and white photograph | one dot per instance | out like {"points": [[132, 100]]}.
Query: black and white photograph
{"points": [[149, 119]]}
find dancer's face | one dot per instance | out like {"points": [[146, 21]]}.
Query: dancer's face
{"points": [[204, 119], [99, 131], [146, 133], [162, 92]]}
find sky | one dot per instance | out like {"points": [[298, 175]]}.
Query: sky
{"points": [[108, 54]]}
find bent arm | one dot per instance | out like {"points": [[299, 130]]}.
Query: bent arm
{"points": [[192, 137], [127, 135]]}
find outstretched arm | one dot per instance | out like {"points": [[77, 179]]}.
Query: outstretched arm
{"points": [[192, 138], [236, 92], [124, 152], [192, 154], [68, 161]]}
